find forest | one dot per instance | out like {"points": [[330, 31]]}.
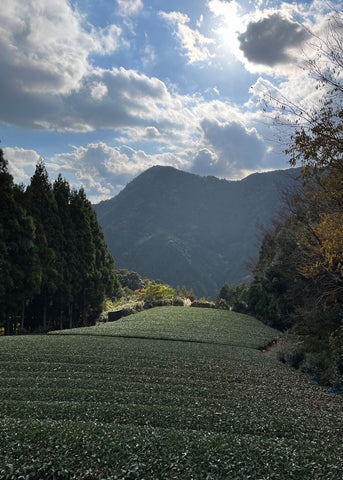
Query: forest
{"points": [[55, 270], [298, 278]]}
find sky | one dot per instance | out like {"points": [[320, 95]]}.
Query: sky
{"points": [[102, 90]]}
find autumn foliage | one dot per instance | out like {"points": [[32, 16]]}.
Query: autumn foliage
{"points": [[299, 275]]}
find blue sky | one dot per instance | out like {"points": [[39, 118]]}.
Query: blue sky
{"points": [[103, 90]]}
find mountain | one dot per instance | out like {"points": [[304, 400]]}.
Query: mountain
{"points": [[191, 230]]}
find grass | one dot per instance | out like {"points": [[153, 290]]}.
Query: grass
{"points": [[101, 406]]}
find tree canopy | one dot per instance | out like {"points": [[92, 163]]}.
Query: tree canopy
{"points": [[299, 275], [55, 270]]}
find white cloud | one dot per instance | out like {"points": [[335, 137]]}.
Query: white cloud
{"points": [[104, 170], [51, 84], [232, 23], [205, 161], [192, 41], [129, 7], [98, 90], [44, 50], [105, 99], [232, 149], [21, 163], [43, 45], [108, 39]]}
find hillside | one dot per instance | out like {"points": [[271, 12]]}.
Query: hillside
{"points": [[204, 403], [190, 230]]}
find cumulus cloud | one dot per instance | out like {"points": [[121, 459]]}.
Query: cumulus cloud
{"points": [[105, 99], [232, 150], [49, 83], [192, 41], [123, 98], [269, 40], [44, 48], [105, 170], [21, 163], [205, 162], [129, 7], [108, 39]]}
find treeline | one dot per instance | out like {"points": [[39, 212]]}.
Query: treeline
{"points": [[55, 270], [298, 282], [298, 279]]}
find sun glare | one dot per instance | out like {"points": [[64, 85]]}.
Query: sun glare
{"points": [[232, 23]]}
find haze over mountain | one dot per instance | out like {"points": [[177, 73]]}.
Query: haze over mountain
{"points": [[191, 230]]}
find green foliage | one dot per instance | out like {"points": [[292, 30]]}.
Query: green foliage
{"points": [[129, 279], [55, 267], [20, 268], [279, 289], [335, 372], [97, 406], [299, 275], [222, 304], [202, 303], [284, 298], [183, 292], [291, 350], [155, 292], [235, 297]]}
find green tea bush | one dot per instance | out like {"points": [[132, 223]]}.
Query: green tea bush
{"points": [[203, 304], [168, 393]]}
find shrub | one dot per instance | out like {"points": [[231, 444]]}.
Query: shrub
{"points": [[336, 359], [222, 304], [291, 351], [203, 304], [178, 302], [155, 292], [162, 302], [240, 307], [312, 364]]}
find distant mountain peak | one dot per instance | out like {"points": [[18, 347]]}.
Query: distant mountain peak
{"points": [[190, 230]]}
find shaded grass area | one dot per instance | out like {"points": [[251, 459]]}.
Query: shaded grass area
{"points": [[101, 407]]}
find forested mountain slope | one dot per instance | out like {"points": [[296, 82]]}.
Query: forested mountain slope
{"points": [[191, 230]]}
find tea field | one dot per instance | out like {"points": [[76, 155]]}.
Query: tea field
{"points": [[188, 324], [169, 393]]}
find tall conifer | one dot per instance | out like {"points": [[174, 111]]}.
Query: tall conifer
{"points": [[20, 270], [42, 206]]}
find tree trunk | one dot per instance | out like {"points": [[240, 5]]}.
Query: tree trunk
{"points": [[45, 308], [22, 316], [70, 315]]}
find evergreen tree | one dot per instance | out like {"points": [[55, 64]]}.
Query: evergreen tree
{"points": [[42, 206], [55, 270], [94, 265], [20, 270], [66, 250], [105, 282]]}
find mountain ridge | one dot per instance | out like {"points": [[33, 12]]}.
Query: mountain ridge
{"points": [[191, 230]]}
